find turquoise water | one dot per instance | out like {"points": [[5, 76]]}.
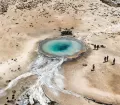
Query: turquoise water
{"points": [[62, 47]]}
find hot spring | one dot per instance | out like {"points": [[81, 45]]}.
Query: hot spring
{"points": [[62, 47]]}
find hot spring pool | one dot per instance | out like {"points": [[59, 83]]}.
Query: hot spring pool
{"points": [[62, 46]]}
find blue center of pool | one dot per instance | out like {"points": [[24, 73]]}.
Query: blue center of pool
{"points": [[62, 47]]}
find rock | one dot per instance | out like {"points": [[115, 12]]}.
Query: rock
{"points": [[102, 46], [115, 3], [84, 64], [3, 6]]}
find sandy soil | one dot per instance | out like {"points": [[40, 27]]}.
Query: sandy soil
{"points": [[23, 24]]}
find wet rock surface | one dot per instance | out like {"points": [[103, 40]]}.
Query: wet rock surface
{"points": [[114, 3]]}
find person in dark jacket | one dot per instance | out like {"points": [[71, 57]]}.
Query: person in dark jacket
{"points": [[95, 47], [93, 68], [113, 62], [98, 47], [107, 58]]}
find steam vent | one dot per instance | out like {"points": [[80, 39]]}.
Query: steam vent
{"points": [[67, 47]]}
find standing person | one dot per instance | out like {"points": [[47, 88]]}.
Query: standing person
{"points": [[93, 68], [105, 59], [97, 47], [113, 62]]}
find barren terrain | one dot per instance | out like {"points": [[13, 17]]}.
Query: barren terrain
{"points": [[23, 23]]}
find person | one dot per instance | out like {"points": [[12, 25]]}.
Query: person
{"points": [[93, 68], [97, 47], [107, 58], [94, 46], [113, 62], [104, 59]]}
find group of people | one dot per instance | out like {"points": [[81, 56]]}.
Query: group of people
{"points": [[105, 60], [96, 47]]}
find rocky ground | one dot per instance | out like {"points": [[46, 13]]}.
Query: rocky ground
{"points": [[23, 23]]}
